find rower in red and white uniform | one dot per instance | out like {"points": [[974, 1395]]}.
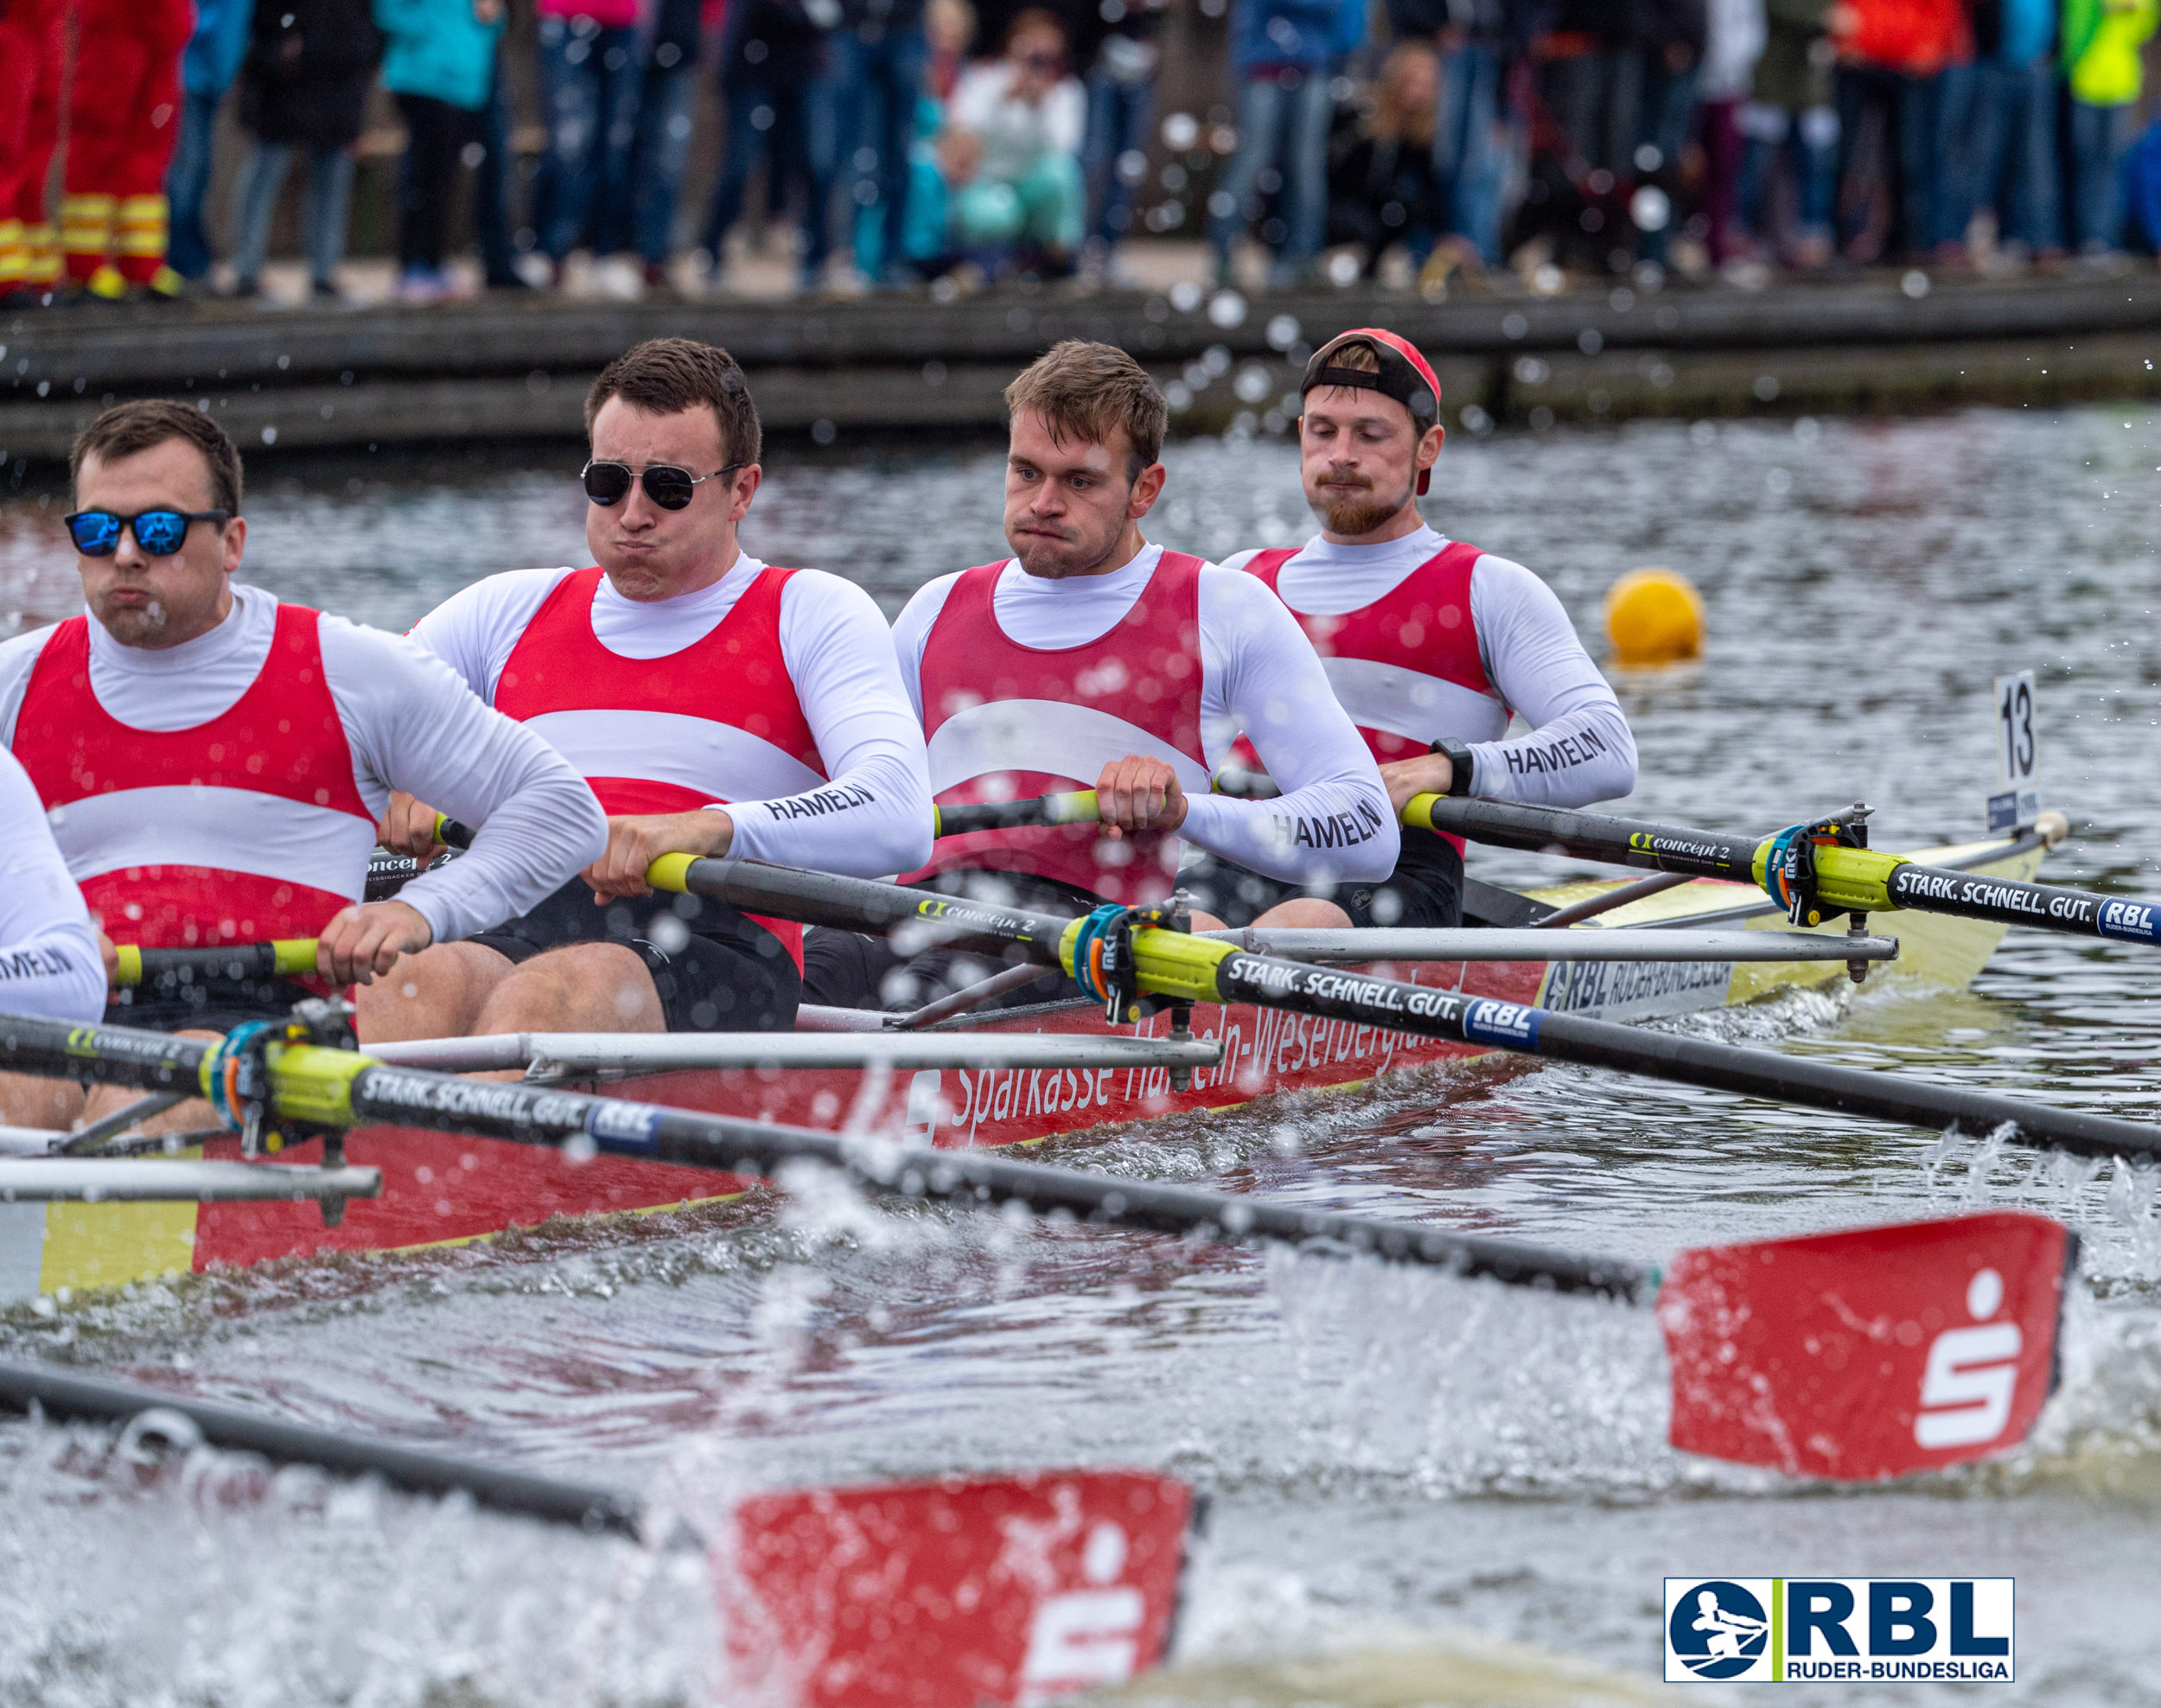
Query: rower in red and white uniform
{"points": [[212, 761], [51, 963], [1093, 657], [1429, 643], [716, 703]]}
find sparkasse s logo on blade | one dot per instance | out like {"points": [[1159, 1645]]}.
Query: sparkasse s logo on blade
{"points": [[1794, 1630]]}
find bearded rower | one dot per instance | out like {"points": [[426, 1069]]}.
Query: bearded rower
{"points": [[1092, 657], [212, 761], [717, 705], [1428, 642]]}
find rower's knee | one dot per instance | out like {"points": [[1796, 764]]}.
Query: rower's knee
{"points": [[438, 993], [584, 987], [1303, 913], [30, 1100]]}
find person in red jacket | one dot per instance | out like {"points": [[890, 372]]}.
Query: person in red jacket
{"points": [[32, 56], [1892, 54], [123, 121]]}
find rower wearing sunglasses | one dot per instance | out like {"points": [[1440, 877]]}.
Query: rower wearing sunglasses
{"points": [[716, 705], [214, 761]]}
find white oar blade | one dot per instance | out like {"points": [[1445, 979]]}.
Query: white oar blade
{"points": [[981, 1591], [1870, 1354]]}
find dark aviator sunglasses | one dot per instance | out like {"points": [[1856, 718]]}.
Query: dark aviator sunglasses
{"points": [[671, 488], [160, 532]]}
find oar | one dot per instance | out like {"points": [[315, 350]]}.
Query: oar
{"points": [[1843, 879], [282, 958], [1174, 965], [928, 1597], [1766, 1340]]}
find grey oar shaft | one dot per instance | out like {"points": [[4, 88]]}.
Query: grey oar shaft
{"points": [[1391, 943], [62, 1395]]}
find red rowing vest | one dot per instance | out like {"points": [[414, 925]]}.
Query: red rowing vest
{"points": [[717, 722], [247, 827], [1422, 644], [1006, 722]]}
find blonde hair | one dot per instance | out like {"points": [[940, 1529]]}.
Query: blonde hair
{"points": [[1394, 116]]}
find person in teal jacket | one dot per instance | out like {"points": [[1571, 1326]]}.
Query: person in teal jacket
{"points": [[439, 62]]}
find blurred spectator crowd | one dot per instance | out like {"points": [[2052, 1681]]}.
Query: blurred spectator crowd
{"points": [[907, 141]]}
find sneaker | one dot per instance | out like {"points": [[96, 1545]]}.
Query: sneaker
{"points": [[421, 287], [325, 291]]}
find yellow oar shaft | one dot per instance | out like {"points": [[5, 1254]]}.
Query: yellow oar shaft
{"points": [[282, 958]]}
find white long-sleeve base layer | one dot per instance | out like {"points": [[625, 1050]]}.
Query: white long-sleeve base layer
{"points": [[49, 964], [871, 818], [411, 724], [1531, 654], [1259, 675]]}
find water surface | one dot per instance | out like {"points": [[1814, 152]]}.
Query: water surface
{"points": [[1395, 1459]]}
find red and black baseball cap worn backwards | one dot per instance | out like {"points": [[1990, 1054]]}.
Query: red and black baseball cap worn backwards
{"points": [[1403, 375]]}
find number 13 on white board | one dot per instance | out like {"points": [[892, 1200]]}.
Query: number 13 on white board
{"points": [[2018, 801]]}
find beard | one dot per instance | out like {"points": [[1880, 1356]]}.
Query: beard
{"points": [[1356, 513]]}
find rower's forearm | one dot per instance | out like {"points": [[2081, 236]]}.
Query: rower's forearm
{"points": [[540, 833], [872, 821], [1585, 755], [57, 975], [1337, 830]]}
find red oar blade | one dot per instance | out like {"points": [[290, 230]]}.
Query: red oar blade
{"points": [[1869, 1353], [981, 1591]]}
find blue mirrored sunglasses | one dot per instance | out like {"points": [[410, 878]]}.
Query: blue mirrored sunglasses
{"points": [[160, 532]]}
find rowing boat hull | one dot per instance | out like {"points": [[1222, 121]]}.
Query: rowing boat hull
{"points": [[440, 1188]]}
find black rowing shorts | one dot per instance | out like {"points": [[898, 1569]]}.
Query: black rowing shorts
{"points": [[729, 974], [846, 969], [1425, 890]]}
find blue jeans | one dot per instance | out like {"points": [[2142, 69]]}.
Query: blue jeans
{"points": [[1470, 147], [495, 190], [591, 78], [1120, 116], [2098, 136], [1668, 103], [863, 120], [667, 108], [772, 122], [1998, 144], [1282, 130], [323, 212], [187, 186], [1911, 118], [1807, 143]]}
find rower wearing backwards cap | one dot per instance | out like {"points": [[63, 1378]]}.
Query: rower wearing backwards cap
{"points": [[717, 705], [1092, 658], [1429, 643], [213, 760]]}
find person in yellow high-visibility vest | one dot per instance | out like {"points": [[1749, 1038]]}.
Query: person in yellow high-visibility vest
{"points": [[123, 119], [31, 59], [2101, 44]]}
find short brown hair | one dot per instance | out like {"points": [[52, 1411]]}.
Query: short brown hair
{"points": [[664, 376], [1091, 390], [1349, 350], [143, 424]]}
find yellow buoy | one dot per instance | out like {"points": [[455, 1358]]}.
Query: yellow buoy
{"points": [[1653, 616]]}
